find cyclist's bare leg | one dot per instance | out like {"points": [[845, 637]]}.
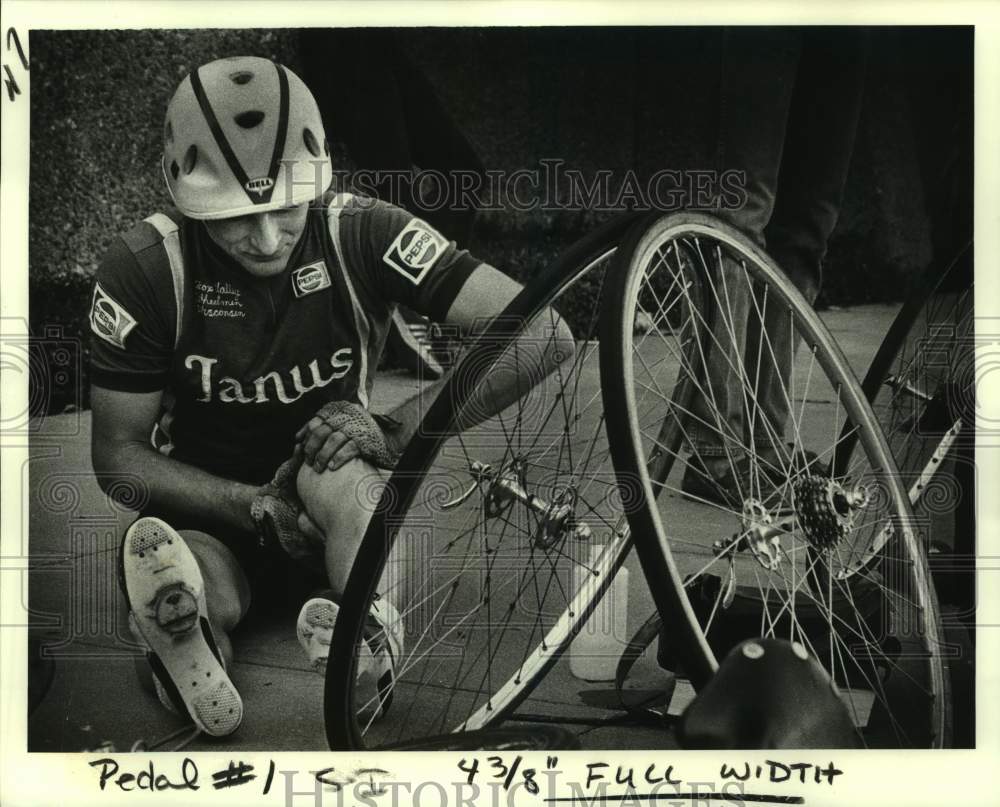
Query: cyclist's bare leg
{"points": [[227, 590], [341, 504]]}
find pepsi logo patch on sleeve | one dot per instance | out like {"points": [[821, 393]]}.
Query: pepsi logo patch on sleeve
{"points": [[109, 319], [415, 250], [310, 278]]}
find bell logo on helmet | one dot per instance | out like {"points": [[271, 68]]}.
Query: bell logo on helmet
{"points": [[260, 185]]}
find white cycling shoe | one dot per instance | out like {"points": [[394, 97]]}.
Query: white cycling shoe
{"points": [[381, 650], [166, 597]]}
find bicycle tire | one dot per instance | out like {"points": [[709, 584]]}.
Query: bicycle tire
{"points": [[780, 546], [412, 715], [921, 385]]}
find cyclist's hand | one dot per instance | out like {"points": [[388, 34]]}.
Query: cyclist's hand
{"points": [[277, 515], [341, 431]]}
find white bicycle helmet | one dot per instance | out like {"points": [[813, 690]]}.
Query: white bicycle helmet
{"points": [[243, 135]]}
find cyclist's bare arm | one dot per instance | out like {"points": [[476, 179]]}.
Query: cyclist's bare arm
{"points": [[547, 339], [328, 496], [121, 450]]}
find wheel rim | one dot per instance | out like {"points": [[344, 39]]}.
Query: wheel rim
{"points": [[506, 579], [831, 563], [923, 392]]}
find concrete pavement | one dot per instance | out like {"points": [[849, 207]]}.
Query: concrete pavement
{"points": [[74, 532]]}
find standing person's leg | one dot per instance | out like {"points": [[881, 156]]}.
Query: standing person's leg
{"points": [[938, 77], [386, 112], [757, 66], [352, 74], [389, 117], [438, 143], [822, 125], [447, 201]]}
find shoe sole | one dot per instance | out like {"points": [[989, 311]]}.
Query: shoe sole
{"points": [[315, 625], [167, 598], [314, 629]]}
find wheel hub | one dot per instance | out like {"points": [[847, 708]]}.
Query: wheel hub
{"points": [[759, 535], [826, 510], [556, 519]]}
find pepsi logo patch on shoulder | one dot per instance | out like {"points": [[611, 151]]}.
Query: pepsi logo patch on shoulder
{"points": [[109, 319], [415, 250], [310, 278]]}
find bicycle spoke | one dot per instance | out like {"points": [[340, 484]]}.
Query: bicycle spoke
{"points": [[801, 543]]}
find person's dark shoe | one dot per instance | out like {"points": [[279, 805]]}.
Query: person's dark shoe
{"points": [[726, 490], [740, 480], [796, 462]]}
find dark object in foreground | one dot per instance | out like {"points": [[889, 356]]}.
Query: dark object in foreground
{"points": [[768, 693]]}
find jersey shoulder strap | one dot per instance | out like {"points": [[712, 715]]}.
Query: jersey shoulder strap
{"points": [[156, 245], [335, 207]]}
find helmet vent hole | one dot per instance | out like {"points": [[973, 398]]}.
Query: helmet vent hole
{"points": [[249, 119], [190, 158], [326, 147], [242, 77], [175, 169], [311, 143]]}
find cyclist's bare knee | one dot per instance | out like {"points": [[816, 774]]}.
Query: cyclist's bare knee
{"points": [[342, 501]]}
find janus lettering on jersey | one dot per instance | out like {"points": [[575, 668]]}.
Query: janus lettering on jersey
{"points": [[286, 387]]}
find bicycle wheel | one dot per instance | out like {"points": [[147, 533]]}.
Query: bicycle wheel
{"points": [[481, 540], [784, 548], [921, 385]]}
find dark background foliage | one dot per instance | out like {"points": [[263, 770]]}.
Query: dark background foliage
{"points": [[615, 99]]}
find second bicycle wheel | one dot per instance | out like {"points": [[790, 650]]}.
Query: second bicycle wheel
{"points": [[725, 420], [493, 544], [921, 384]]}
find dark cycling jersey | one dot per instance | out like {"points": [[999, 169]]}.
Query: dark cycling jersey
{"points": [[246, 361]]}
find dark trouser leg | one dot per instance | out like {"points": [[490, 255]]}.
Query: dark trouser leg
{"points": [[351, 74], [439, 144], [757, 69], [822, 123], [389, 117]]}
